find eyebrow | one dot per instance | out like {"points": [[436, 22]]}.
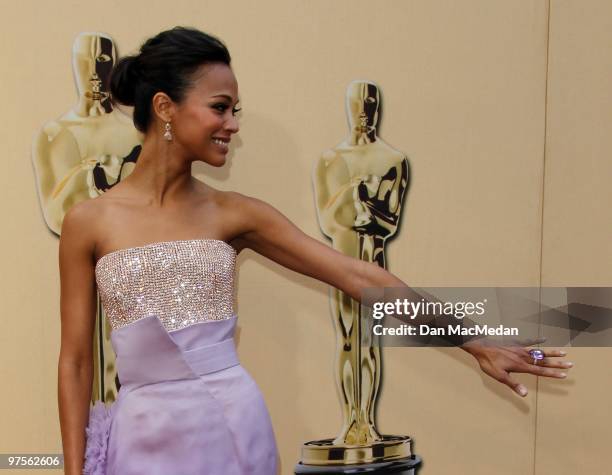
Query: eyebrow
{"points": [[229, 98]]}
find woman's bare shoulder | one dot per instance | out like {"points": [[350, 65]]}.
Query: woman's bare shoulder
{"points": [[241, 205], [82, 214], [241, 215], [79, 226], [249, 212], [240, 200]]}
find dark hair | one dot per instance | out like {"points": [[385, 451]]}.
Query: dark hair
{"points": [[165, 63]]}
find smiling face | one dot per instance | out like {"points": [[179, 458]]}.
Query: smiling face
{"points": [[204, 122]]}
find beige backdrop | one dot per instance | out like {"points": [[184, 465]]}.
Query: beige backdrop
{"points": [[503, 108]]}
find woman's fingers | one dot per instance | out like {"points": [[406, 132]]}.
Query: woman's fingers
{"points": [[540, 371], [548, 360], [547, 352], [550, 363], [513, 384]]}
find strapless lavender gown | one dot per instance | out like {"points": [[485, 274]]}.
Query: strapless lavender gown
{"points": [[185, 406]]}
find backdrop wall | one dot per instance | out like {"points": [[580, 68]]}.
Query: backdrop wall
{"points": [[503, 109]]}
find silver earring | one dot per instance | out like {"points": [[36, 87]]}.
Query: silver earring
{"points": [[168, 133]]}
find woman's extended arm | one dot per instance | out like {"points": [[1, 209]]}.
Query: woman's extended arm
{"points": [[271, 234], [77, 307]]}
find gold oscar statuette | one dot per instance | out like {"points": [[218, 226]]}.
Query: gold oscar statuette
{"points": [[79, 156], [359, 185]]}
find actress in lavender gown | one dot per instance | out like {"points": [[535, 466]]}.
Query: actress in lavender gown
{"points": [[185, 406]]}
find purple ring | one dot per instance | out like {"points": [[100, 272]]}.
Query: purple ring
{"points": [[537, 355]]}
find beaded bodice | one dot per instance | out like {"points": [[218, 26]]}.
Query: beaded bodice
{"points": [[180, 282]]}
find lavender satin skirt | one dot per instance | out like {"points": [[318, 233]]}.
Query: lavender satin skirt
{"points": [[185, 407]]}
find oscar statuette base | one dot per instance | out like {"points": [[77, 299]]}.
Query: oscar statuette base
{"points": [[392, 455]]}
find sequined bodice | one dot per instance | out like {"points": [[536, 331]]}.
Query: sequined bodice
{"points": [[180, 282]]}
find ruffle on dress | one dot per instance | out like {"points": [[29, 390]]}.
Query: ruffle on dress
{"points": [[98, 430]]}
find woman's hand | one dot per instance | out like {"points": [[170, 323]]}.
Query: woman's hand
{"points": [[499, 361]]}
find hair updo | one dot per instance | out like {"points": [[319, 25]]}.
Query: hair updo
{"points": [[166, 63]]}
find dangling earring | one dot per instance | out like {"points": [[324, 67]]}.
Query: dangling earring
{"points": [[167, 133]]}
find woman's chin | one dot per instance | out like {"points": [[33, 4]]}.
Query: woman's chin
{"points": [[216, 161]]}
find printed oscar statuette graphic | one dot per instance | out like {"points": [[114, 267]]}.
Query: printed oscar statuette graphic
{"points": [[81, 155], [360, 186]]}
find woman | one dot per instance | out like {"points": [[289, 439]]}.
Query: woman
{"points": [[165, 277]]}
